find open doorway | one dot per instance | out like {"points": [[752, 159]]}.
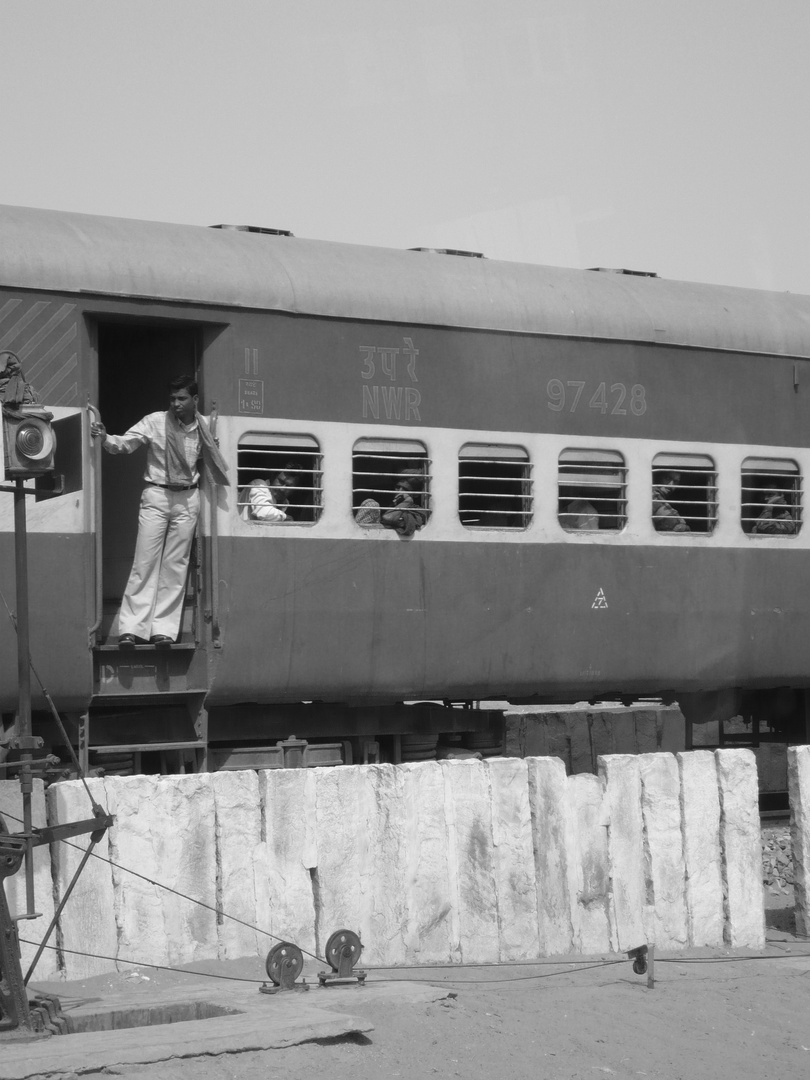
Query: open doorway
{"points": [[136, 361]]}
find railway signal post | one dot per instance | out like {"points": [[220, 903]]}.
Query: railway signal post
{"points": [[28, 444]]}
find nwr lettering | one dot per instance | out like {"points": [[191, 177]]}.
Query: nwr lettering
{"points": [[396, 364], [393, 399]]}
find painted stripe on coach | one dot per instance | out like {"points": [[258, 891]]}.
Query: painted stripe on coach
{"points": [[337, 440]]}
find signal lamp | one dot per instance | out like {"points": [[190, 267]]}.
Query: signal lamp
{"points": [[29, 441]]}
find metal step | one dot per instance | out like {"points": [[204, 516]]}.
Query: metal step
{"points": [[147, 670]]}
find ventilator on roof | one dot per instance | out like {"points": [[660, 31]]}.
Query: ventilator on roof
{"points": [[451, 251], [616, 270], [254, 229]]}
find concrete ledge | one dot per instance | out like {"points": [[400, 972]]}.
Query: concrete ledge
{"points": [[260, 1023]]}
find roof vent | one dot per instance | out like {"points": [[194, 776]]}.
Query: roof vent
{"points": [[451, 251], [614, 270], [254, 228]]}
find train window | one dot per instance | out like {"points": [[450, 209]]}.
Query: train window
{"points": [[494, 487], [378, 466], [262, 456], [592, 491], [771, 497], [684, 493]]}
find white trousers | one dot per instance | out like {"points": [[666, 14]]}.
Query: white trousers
{"points": [[153, 598]]}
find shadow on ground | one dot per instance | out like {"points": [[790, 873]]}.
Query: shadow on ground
{"points": [[781, 918]]}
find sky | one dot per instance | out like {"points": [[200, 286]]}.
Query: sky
{"points": [[657, 135]]}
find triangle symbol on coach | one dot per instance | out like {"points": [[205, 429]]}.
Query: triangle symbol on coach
{"points": [[601, 600]]}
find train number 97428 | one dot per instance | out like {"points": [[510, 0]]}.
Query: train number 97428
{"points": [[615, 399]]}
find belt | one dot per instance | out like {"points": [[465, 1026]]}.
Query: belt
{"points": [[172, 487]]}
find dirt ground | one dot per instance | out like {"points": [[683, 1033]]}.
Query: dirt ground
{"points": [[711, 1014]]}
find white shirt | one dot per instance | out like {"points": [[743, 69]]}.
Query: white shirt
{"points": [[262, 505], [151, 432]]}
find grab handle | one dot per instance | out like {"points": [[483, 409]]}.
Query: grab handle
{"points": [[95, 523]]}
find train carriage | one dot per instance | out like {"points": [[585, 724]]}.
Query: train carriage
{"points": [[547, 415]]}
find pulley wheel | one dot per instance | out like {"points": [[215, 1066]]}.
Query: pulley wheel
{"points": [[11, 862], [284, 964], [639, 965], [343, 950]]}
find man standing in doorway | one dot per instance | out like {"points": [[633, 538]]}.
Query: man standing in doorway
{"points": [[176, 443]]}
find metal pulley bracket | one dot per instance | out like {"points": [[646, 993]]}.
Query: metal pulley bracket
{"points": [[342, 952], [12, 851], [46, 1015], [643, 957], [283, 965]]}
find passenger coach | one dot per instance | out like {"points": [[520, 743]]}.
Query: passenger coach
{"points": [[546, 415]]}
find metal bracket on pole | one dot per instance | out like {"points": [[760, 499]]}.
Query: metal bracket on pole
{"points": [[643, 958]]}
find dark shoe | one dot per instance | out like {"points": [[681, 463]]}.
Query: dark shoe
{"points": [[162, 641], [126, 641]]}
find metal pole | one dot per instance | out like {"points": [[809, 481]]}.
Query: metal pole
{"points": [[58, 912], [24, 682]]}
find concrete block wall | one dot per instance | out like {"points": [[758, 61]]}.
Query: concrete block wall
{"points": [[579, 734], [799, 791], [741, 846], [432, 862], [702, 850]]}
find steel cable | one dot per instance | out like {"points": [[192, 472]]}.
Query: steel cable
{"points": [[176, 892], [145, 963]]}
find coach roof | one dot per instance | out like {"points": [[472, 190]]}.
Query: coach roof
{"points": [[78, 253]]}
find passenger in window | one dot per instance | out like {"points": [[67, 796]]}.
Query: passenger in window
{"points": [[368, 512], [407, 514], [580, 514], [776, 519], [665, 517], [268, 502]]}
